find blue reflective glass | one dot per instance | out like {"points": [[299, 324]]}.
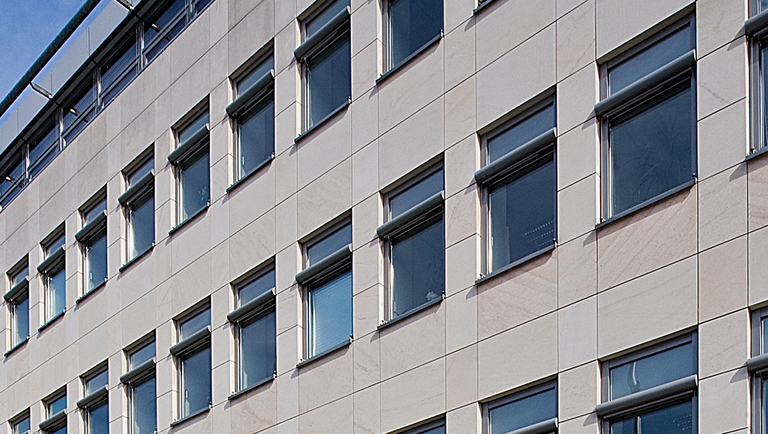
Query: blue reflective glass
{"points": [[330, 314], [328, 245], [247, 81], [193, 127], [258, 356], [415, 194], [20, 276], [412, 24], [62, 430], [523, 412], [256, 287], [142, 355], [324, 17], [20, 320], [96, 262], [763, 83], [54, 245], [677, 419], [195, 185], [256, 134], [57, 293], [194, 324], [172, 17], [141, 229], [21, 427], [626, 426], [144, 407], [98, 420], [97, 382], [95, 212], [196, 381], [140, 172], [418, 268], [329, 82], [521, 133], [654, 370], [57, 405]]}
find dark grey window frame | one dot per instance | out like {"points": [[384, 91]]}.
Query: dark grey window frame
{"points": [[756, 28], [758, 368], [94, 399], [18, 419], [189, 149], [650, 399], [548, 426], [54, 421], [90, 233], [186, 347], [429, 425], [15, 296], [134, 194], [389, 67], [635, 98], [54, 263], [137, 375]]}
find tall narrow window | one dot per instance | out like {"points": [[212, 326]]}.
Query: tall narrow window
{"points": [[756, 27], [78, 112], [18, 302], [255, 329], [166, 22], [54, 273], [118, 70], [142, 389], [44, 147], [436, 427], [415, 244], [138, 203], [55, 413], [20, 424], [519, 179], [13, 178], [327, 279], [192, 162], [648, 120], [327, 62], [93, 241], [253, 113], [412, 26], [193, 354], [95, 405], [532, 410]]}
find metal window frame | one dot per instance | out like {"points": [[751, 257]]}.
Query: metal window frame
{"points": [[197, 149], [181, 357], [759, 376], [636, 106], [51, 398], [18, 419], [128, 200], [757, 88], [389, 66], [514, 397], [426, 426], [89, 234]]}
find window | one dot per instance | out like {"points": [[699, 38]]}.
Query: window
{"points": [[53, 273], [192, 162], [93, 241], [519, 181], [18, 303], [415, 244], [412, 26], [142, 388], [253, 112], [255, 329], [326, 62], [193, 355], [119, 70], [651, 391], [168, 21], [756, 29], [95, 405], [437, 427], [78, 112], [44, 147], [648, 120], [20, 425], [138, 203], [327, 280], [13, 178], [529, 409], [55, 413]]}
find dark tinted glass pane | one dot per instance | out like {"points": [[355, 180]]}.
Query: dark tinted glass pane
{"points": [[96, 263], [416, 194], [257, 350], [142, 355], [418, 268], [626, 426], [141, 172], [521, 133], [12, 180], [764, 90], [195, 324], [649, 60], [111, 71], [328, 245], [20, 320], [142, 226], [438, 430], [54, 245], [196, 391], [190, 130], [522, 216], [257, 136], [118, 87], [43, 151], [97, 382], [201, 5], [762, 5], [246, 82], [195, 184], [62, 430], [57, 405], [256, 287], [412, 24], [56, 294], [653, 370], [21, 427], [322, 19], [162, 21], [764, 325], [78, 112], [328, 80], [764, 401], [95, 212], [524, 412], [176, 27], [651, 151], [672, 420], [144, 408], [330, 314], [98, 420], [20, 276]]}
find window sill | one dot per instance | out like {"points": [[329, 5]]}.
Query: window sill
{"points": [[517, 263], [648, 202], [757, 153], [481, 7], [83, 297], [412, 312], [16, 347], [322, 121], [137, 258], [191, 416], [250, 174], [189, 219], [250, 388], [51, 321], [408, 59], [306, 362]]}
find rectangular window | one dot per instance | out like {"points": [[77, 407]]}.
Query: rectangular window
{"points": [[327, 279], [18, 302], [415, 244], [519, 179], [138, 203], [13, 178], [53, 273], [756, 27], [118, 70], [166, 22], [648, 120], [253, 112], [78, 112], [412, 26], [529, 409], [95, 404], [93, 241], [255, 329], [666, 374], [21, 424], [193, 354], [55, 413], [142, 388], [436, 427], [44, 147], [192, 163], [327, 62]]}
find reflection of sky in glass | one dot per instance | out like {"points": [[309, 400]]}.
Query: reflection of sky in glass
{"points": [[652, 371], [413, 23], [415, 194], [328, 245], [521, 133], [523, 412], [256, 287]]}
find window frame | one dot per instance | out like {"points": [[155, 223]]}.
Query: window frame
{"points": [[89, 234], [17, 420], [54, 421], [133, 198], [757, 38], [639, 104], [137, 375], [390, 66], [186, 347], [759, 370], [190, 150], [93, 399], [427, 426], [54, 263], [17, 293], [517, 396]]}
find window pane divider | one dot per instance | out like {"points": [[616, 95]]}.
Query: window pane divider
{"points": [[757, 363], [92, 228], [655, 78], [756, 23], [57, 420], [327, 30], [189, 146], [516, 157], [243, 99], [51, 261], [138, 372], [683, 385], [252, 306], [137, 189], [546, 426], [192, 342], [16, 291], [406, 218], [94, 398], [325, 266]]}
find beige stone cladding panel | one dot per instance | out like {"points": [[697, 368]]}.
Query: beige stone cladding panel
{"points": [[718, 23], [365, 24], [723, 279], [461, 161], [325, 380], [288, 308], [365, 120], [722, 77], [577, 333], [724, 343], [757, 193], [578, 154], [517, 357], [724, 402], [757, 245], [578, 390], [254, 411], [286, 222], [518, 295], [589, 424], [192, 87], [366, 308], [251, 33], [289, 350], [190, 242], [325, 147], [647, 240], [197, 425], [252, 245], [137, 319], [575, 39], [251, 199], [367, 267], [650, 307], [191, 285], [578, 208], [367, 407], [722, 139], [413, 341], [365, 69], [462, 215], [334, 418], [577, 269], [414, 396], [459, 46], [367, 369], [464, 420], [516, 77], [325, 198], [723, 207], [576, 98], [460, 112], [287, 395], [461, 377], [461, 319]]}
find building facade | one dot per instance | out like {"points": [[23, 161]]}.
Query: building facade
{"points": [[392, 216]]}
